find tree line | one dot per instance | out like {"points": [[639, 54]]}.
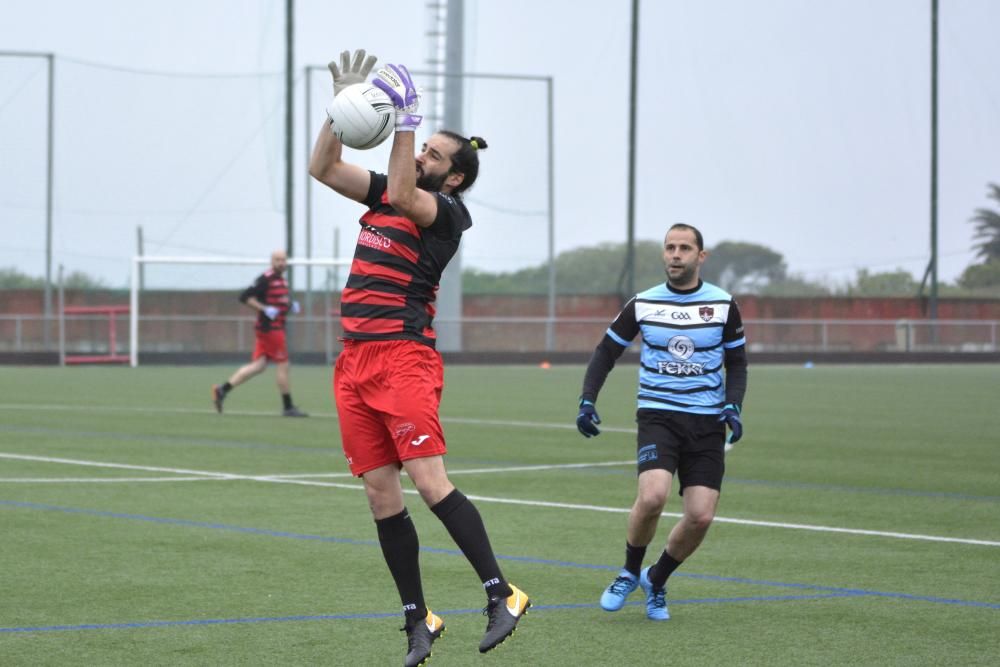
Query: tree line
{"points": [[742, 268]]}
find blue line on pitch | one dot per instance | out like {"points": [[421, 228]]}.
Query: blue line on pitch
{"points": [[521, 559], [394, 614]]}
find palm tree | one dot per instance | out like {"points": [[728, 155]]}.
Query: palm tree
{"points": [[988, 228]]}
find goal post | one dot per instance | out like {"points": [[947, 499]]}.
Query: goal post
{"points": [[139, 262]]}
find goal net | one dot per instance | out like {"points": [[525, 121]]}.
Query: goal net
{"points": [[186, 310]]}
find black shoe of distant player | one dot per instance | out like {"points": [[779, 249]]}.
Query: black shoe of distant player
{"points": [[294, 412], [218, 397], [503, 615], [419, 639]]}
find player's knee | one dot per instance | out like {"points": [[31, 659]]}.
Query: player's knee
{"points": [[383, 504], [700, 520], [433, 489], [651, 502]]}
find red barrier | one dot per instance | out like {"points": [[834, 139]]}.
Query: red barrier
{"points": [[110, 357]]}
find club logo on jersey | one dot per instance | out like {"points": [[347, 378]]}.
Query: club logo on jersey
{"points": [[680, 347], [706, 313]]}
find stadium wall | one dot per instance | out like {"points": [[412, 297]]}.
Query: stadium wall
{"points": [[213, 327], [167, 302]]}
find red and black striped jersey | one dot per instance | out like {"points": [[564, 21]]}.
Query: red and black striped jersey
{"points": [[397, 266], [270, 289]]}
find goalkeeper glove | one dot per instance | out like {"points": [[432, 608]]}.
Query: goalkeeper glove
{"points": [[395, 81], [350, 73], [587, 420], [731, 415], [271, 312], [296, 308]]}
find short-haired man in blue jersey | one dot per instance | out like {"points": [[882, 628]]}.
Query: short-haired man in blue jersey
{"points": [[691, 330]]}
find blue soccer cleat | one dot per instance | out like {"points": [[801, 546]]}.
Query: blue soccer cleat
{"points": [[614, 596], [656, 598]]}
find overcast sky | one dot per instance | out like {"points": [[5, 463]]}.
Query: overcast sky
{"points": [[800, 125]]}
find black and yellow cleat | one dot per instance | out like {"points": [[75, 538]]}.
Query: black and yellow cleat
{"points": [[420, 638], [503, 615]]}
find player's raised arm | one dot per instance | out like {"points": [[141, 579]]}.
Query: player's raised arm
{"points": [[326, 164], [413, 202]]}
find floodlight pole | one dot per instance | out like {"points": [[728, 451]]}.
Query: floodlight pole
{"points": [[550, 342], [630, 216], [48, 194], [934, 167], [289, 130], [308, 207]]}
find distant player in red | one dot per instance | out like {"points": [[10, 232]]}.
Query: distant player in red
{"points": [[388, 379], [269, 297]]}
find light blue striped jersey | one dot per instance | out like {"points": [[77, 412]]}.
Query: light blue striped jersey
{"points": [[684, 338]]}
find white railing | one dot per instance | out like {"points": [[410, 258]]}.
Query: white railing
{"points": [[88, 333]]}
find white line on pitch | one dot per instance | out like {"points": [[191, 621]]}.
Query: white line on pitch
{"points": [[320, 415], [476, 471], [98, 480], [511, 501]]}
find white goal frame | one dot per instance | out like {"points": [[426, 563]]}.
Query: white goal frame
{"points": [[138, 261]]}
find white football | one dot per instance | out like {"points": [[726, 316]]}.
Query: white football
{"points": [[362, 116]]}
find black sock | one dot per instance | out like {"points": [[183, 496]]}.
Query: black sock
{"points": [[226, 388], [465, 526], [633, 558], [401, 550], [287, 400], [662, 569]]}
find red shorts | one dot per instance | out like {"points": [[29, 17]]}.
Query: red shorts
{"points": [[271, 344], [387, 395]]}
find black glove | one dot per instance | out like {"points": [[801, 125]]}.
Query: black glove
{"points": [[731, 415], [587, 420]]}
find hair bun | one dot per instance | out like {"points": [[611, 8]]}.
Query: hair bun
{"points": [[478, 143]]}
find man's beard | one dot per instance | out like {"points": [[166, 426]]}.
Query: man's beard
{"points": [[430, 182], [686, 276]]}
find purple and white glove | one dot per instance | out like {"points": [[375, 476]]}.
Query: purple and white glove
{"points": [[395, 81]]}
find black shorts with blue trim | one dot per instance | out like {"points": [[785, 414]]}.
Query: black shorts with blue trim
{"points": [[685, 443]]}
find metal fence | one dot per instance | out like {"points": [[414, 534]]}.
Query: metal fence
{"points": [[219, 334]]}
